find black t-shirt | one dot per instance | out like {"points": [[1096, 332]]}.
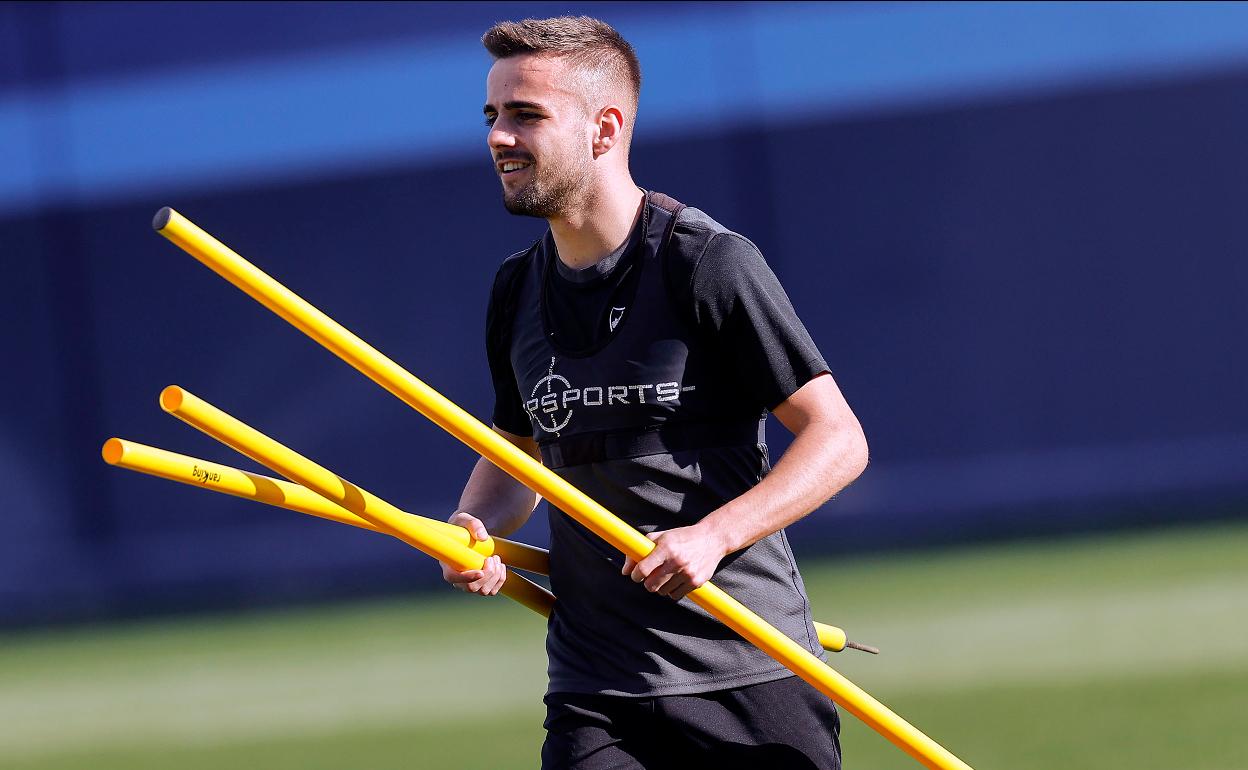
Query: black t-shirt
{"points": [[726, 290], [578, 302], [716, 327]]}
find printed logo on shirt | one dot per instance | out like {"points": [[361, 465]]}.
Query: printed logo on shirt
{"points": [[613, 319], [554, 399]]}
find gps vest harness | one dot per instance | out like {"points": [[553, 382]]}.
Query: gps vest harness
{"points": [[647, 387]]}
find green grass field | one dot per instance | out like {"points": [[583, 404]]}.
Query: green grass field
{"points": [[1124, 651]]}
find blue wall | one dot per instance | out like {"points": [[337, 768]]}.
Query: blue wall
{"points": [[1017, 233]]}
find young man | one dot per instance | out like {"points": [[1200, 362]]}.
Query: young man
{"points": [[636, 350]]}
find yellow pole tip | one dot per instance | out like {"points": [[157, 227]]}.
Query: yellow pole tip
{"points": [[171, 398], [161, 219], [112, 451]]}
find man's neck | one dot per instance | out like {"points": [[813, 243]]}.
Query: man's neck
{"points": [[598, 227]]}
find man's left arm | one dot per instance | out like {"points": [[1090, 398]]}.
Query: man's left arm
{"points": [[828, 452]]}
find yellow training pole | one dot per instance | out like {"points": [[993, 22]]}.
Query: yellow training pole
{"points": [[216, 477], [234, 433], [252, 486], [385, 372], [830, 637]]}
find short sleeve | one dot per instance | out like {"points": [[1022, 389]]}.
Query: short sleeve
{"points": [[509, 411], [740, 304]]}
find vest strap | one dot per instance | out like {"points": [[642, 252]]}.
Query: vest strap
{"points": [[602, 446]]}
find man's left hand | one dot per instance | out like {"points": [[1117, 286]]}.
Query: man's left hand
{"points": [[682, 560]]}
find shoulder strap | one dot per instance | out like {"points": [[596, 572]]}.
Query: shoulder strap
{"points": [[506, 289], [677, 275], [671, 206]]}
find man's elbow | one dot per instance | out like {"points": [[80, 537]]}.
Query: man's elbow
{"points": [[856, 453]]}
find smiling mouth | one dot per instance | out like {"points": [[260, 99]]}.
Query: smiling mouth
{"points": [[512, 167]]}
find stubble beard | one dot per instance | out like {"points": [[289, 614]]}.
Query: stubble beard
{"points": [[555, 189]]}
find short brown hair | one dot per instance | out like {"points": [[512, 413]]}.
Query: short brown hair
{"points": [[587, 44]]}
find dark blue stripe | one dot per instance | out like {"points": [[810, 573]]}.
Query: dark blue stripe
{"points": [[311, 114]]}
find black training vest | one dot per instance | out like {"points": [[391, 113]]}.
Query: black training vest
{"points": [[643, 424], [647, 388]]}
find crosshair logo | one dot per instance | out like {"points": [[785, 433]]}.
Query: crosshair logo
{"points": [[549, 402]]}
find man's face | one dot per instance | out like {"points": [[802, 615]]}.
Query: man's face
{"points": [[540, 136]]}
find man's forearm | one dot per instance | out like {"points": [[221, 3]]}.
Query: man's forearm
{"points": [[499, 501], [823, 459]]}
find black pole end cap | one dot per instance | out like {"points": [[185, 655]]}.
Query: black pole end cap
{"points": [[161, 219]]}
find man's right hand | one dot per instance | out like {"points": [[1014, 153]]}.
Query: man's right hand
{"points": [[485, 581]]}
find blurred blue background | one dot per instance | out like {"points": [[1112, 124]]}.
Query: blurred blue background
{"points": [[1017, 232]]}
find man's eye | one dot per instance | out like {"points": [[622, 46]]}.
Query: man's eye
{"points": [[489, 119], [529, 116]]}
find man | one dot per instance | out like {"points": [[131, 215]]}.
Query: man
{"points": [[635, 349]]}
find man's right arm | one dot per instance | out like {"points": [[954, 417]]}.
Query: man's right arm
{"points": [[493, 503]]}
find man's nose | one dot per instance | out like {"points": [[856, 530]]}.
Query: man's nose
{"points": [[498, 137]]}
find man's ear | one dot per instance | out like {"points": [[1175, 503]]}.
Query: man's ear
{"points": [[609, 131]]}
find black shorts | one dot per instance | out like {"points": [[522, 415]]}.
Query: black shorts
{"points": [[783, 724]]}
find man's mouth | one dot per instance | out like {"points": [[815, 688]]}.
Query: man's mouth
{"points": [[512, 166]]}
